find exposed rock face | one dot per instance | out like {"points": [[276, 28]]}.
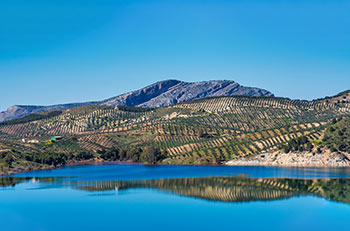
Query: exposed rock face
{"points": [[170, 92], [306, 159], [159, 94], [15, 111]]}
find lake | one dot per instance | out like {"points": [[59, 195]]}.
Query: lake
{"points": [[140, 197]]}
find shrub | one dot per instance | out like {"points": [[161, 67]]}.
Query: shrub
{"points": [[150, 155]]}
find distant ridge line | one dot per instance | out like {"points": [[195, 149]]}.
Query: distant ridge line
{"points": [[159, 94]]}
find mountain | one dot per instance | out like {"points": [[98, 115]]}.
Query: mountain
{"points": [[19, 111], [163, 93], [170, 92], [203, 131]]}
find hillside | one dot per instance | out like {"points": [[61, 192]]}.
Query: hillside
{"points": [[205, 131], [163, 93]]}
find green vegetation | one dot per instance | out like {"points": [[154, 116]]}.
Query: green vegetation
{"points": [[134, 109], [205, 131], [336, 138], [54, 159], [150, 155], [337, 135], [298, 144]]}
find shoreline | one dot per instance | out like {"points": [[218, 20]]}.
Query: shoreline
{"points": [[244, 161], [286, 165], [72, 163], [97, 162], [302, 159]]}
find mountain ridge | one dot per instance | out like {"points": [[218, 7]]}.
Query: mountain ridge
{"points": [[212, 130], [161, 93]]}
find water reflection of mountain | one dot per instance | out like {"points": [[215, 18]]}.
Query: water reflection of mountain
{"points": [[230, 189]]}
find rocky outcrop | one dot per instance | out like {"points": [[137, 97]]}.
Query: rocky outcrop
{"points": [[159, 94], [170, 92], [305, 159]]}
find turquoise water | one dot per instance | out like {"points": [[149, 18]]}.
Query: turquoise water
{"points": [[138, 197], [137, 171]]}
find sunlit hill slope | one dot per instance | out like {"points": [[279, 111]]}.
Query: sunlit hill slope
{"points": [[209, 130]]}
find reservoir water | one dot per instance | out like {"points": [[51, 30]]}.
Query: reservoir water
{"points": [[139, 197]]}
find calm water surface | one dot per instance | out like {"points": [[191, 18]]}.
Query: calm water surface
{"points": [[138, 197]]}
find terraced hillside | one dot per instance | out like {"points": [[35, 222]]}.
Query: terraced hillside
{"points": [[210, 130]]}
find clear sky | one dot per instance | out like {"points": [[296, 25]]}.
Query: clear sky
{"points": [[61, 51]]}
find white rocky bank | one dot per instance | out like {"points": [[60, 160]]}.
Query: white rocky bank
{"points": [[293, 159]]}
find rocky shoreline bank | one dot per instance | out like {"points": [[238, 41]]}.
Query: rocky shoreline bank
{"points": [[302, 159]]}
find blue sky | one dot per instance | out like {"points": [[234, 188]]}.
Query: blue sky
{"points": [[80, 50]]}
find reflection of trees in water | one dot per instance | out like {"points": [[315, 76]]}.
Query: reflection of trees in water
{"points": [[13, 181], [214, 188], [237, 189], [232, 189]]}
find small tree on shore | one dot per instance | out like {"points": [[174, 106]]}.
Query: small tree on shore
{"points": [[8, 159], [150, 155]]}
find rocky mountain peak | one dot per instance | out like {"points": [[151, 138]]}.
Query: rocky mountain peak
{"points": [[159, 94]]}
